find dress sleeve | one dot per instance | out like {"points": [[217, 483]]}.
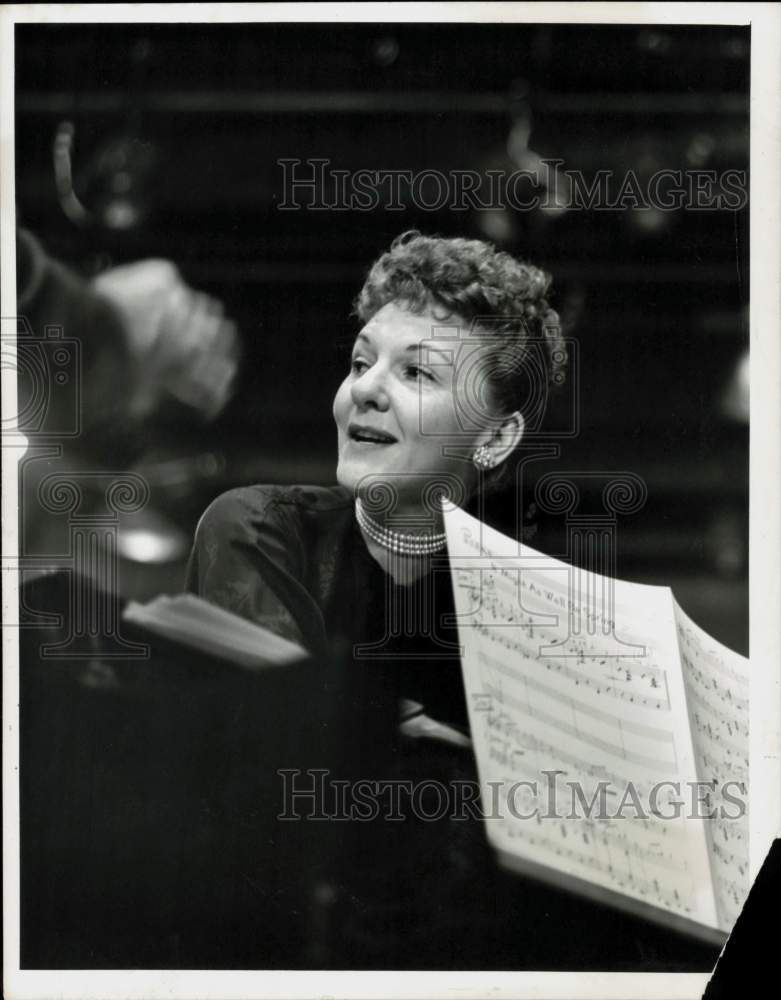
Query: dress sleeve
{"points": [[249, 557]]}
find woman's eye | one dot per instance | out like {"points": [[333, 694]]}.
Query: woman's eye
{"points": [[358, 365], [416, 372]]}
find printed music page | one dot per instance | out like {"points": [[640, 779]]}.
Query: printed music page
{"points": [[716, 680], [579, 721]]}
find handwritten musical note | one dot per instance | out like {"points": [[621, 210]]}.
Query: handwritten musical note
{"points": [[608, 718], [717, 686]]}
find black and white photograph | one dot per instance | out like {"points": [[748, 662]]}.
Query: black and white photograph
{"points": [[390, 496]]}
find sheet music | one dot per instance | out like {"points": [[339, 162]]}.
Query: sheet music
{"points": [[583, 679], [717, 688]]}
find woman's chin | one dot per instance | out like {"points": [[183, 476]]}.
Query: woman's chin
{"points": [[360, 476], [349, 475]]}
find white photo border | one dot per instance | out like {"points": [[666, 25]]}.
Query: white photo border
{"points": [[765, 503]]}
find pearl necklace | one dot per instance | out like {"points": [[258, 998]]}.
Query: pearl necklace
{"points": [[396, 541]]}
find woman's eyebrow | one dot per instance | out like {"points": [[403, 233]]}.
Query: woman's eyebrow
{"points": [[417, 348], [447, 356]]}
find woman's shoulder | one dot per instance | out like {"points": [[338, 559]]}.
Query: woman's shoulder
{"points": [[269, 502]]}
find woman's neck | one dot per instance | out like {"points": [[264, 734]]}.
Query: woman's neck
{"points": [[405, 517], [404, 570], [403, 541]]}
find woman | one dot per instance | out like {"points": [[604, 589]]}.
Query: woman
{"points": [[452, 339], [452, 347], [431, 405]]}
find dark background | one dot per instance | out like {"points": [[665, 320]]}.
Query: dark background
{"points": [[178, 130]]}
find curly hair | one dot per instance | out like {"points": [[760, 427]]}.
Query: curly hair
{"points": [[469, 279]]}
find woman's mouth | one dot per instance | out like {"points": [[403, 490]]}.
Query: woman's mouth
{"points": [[361, 434]]}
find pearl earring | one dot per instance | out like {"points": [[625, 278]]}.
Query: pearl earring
{"points": [[482, 458]]}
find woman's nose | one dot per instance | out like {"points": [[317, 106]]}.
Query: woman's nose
{"points": [[369, 389]]}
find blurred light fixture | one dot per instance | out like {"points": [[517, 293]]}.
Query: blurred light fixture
{"points": [[496, 225], [555, 196], [147, 536], [651, 221], [62, 151], [114, 184], [385, 50], [725, 542], [115, 181], [119, 176], [654, 41], [736, 399], [700, 149], [735, 48]]}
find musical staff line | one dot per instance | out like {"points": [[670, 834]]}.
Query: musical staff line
{"points": [[615, 750]]}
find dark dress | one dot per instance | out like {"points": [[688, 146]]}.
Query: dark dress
{"points": [[416, 894], [293, 559]]}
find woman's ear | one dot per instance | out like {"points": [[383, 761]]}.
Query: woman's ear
{"points": [[505, 438]]}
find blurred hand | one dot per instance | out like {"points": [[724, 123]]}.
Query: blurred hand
{"points": [[181, 341]]}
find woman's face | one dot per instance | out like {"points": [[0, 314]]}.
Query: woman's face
{"points": [[397, 411]]}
